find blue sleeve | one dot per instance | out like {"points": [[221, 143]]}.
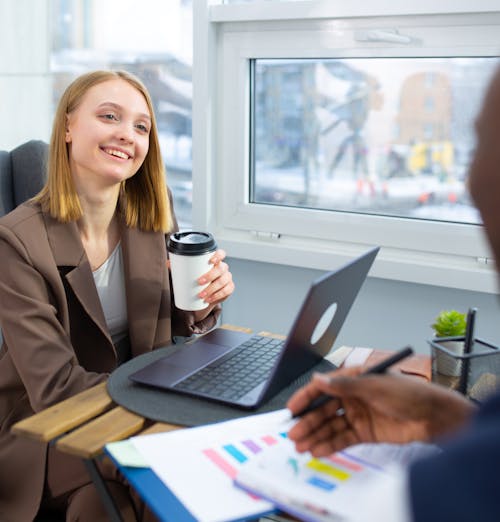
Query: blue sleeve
{"points": [[462, 483]]}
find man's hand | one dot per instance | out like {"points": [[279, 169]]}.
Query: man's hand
{"points": [[374, 408]]}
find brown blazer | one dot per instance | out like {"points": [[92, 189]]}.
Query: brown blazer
{"points": [[56, 342]]}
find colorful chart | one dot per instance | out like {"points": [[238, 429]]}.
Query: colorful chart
{"points": [[324, 474], [229, 456]]}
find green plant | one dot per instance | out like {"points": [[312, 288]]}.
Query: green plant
{"points": [[449, 323]]}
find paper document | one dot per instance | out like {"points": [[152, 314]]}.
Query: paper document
{"points": [[385, 456], [338, 356], [198, 465], [357, 357], [125, 454], [329, 489]]}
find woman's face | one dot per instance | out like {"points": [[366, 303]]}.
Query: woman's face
{"points": [[108, 135]]}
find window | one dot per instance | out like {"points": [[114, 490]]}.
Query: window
{"points": [[322, 134], [334, 128], [158, 50]]}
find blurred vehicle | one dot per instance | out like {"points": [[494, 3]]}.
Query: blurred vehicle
{"points": [[431, 158]]}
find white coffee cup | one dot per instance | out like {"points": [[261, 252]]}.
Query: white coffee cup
{"points": [[189, 254]]}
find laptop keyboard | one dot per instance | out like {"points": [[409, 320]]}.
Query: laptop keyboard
{"points": [[237, 372]]}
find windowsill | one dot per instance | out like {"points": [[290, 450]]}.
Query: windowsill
{"points": [[461, 272]]}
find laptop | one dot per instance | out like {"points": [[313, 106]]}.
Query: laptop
{"points": [[246, 370]]}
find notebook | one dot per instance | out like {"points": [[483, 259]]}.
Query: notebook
{"points": [[349, 485], [207, 367]]}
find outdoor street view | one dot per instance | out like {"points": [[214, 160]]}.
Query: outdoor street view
{"points": [[389, 136]]}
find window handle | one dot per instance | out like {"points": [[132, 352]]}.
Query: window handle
{"points": [[383, 35]]}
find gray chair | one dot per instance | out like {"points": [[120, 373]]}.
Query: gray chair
{"points": [[22, 173]]}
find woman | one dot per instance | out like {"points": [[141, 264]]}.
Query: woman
{"points": [[84, 284]]}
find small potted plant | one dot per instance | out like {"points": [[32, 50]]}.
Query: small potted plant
{"points": [[449, 323]]}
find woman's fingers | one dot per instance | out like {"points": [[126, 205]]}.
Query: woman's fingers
{"points": [[220, 283]]}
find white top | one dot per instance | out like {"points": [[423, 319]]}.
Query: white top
{"points": [[110, 283]]}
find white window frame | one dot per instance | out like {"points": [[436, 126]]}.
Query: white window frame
{"points": [[226, 37]]}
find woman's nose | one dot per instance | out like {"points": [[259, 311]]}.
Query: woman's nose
{"points": [[126, 132]]}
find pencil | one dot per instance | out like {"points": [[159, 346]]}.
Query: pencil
{"points": [[379, 368]]}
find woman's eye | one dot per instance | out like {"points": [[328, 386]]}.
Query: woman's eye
{"points": [[110, 116], [142, 127]]}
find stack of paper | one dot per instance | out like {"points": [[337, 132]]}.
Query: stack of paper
{"points": [[330, 489], [200, 467]]}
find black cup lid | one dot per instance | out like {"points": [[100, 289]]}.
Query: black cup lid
{"points": [[191, 243]]}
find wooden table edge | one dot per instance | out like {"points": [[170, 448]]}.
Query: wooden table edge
{"points": [[65, 415]]}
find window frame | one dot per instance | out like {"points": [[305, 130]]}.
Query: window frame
{"points": [[440, 253]]}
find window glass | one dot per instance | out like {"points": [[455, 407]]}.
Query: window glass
{"points": [[386, 136], [152, 39]]}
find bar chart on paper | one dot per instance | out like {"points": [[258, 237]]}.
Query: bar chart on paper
{"points": [[324, 474], [314, 489], [229, 457], [199, 465]]}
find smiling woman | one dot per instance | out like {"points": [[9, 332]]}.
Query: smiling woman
{"points": [[85, 110], [88, 285], [108, 141]]}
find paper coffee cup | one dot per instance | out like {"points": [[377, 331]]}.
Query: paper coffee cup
{"points": [[189, 254]]}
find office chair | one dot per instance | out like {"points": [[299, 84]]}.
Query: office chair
{"points": [[22, 175]]}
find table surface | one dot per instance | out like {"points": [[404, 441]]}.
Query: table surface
{"points": [[86, 422]]}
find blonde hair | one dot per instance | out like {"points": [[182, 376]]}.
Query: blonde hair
{"points": [[144, 200]]}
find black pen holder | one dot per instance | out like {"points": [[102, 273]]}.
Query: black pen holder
{"points": [[475, 374]]}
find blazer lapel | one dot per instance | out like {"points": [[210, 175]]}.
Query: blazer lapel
{"points": [[144, 258], [73, 264]]}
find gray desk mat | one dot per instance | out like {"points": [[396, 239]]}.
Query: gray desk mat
{"points": [[165, 406]]}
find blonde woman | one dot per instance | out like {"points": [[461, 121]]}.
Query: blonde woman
{"points": [[85, 286]]}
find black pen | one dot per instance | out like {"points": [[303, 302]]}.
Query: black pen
{"points": [[469, 330], [468, 343], [381, 367]]}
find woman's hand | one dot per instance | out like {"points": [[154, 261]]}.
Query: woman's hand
{"points": [[220, 286], [219, 280], [374, 408]]}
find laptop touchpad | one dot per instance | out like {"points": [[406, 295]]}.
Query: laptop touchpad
{"points": [[166, 372], [195, 356]]}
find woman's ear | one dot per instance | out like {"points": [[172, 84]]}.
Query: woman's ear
{"points": [[67, 136]]}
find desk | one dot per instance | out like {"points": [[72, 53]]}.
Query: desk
{"points": [[83, 424]]}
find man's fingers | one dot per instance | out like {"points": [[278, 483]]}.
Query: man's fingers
{"points": [[327, 447]]}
